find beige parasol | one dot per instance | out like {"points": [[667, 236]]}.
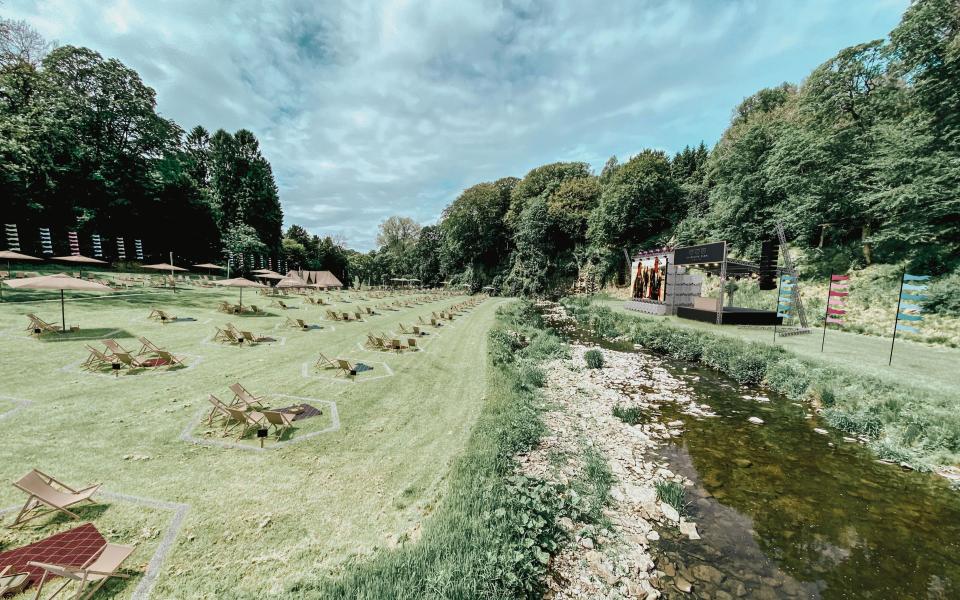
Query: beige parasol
{"points": [[239, 282], [60, 282], [11, 256], [80, 260]]}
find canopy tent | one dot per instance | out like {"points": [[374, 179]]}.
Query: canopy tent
{"points": [[324, 279], [239, 282], [60, 282], [79, 259], [291, 282], [11, 256]]}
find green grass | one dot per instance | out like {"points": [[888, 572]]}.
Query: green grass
{"points": [[260, 524], [672, 493], [631, 415]]}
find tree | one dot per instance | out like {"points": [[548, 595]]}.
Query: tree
{"points": [[398, 234], [21, 44], [476, 241], [242, 239], [542, 182], [530, 263]]}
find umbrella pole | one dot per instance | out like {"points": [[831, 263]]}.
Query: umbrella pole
{"points": [[63, 312], [241, 300]]}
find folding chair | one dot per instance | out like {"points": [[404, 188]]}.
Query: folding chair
{"points": [[325, 363], [46, 491], [91, 576]]}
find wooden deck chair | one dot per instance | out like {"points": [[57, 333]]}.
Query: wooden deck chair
{"points": [[357, 316], [225, 307], [297, 323], [280, 421], [280, 303], [219, 410], [95, 360], [369, 310], [417, 330], [38, 326], [332, 315], [412, 344], [249, 421], [46, 495], [12, 583], [225, 335], [147, 347], [346, 367], [397, 345], [115, 347], [254, 309], [242, 396], [325, 363], [91, 576], [403, 329], [344, 316], [250, 338], [374, 342], [130, 361], [171, 360]]}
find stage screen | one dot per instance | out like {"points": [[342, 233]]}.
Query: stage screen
{"points": [[649, 281]]}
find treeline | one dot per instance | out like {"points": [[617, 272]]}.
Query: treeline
{"points": [[82, 148], [860, 162]]}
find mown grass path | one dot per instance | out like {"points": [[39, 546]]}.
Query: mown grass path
{"points": [[258, 520]]}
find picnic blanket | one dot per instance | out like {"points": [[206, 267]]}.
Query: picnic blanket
{"points": [[73, 548]]}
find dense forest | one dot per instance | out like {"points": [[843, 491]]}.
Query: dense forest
{"points": [[860, 162]]}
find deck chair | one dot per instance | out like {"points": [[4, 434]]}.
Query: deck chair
{"points": [[12, 583], [332, 315], [250, 338], [147, 347], [219, 410], [280, 421], [374, 342], [346, 367], [412, 344], [297, 323], [115, 347], [255, 310], [344, 316], [325, 363], [130, 361], [242, 396], [168, 357], [397, 345], [369, 310], [225, 335], [225, 307], [38, 326], [91, 576], [161, 315], [403, 329], [249, 421], [417, 330], [280, 303], [95, 360], [46, 495]]}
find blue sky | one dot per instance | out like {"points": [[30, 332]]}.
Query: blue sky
{"points": [[372, 108]]}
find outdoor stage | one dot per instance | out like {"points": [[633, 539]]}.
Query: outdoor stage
{"points": [[732, 315]]}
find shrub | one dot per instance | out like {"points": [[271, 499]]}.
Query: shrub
{"points": [[593, 358], [631, 415]]}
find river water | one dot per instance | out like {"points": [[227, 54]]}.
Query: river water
{"points": [[786, 512]]}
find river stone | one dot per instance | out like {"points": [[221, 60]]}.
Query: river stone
{"points": [[670, 512], [641, 495], [820, 431], [683, 585], [587, 543], [743, 463], [756, 420], [652, 535], [707, 573], [689, 530]]}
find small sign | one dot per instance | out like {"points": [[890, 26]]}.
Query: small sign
{"points": [[262, 433], [696, 255]]}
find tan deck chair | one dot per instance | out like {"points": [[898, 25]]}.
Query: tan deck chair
{"points": [[115, 347], [397, 345], [344, 316], [12, 583], [369, 310], [412, 344], [128, 360], [242, 395], [344, 366], [249, 421], [147, 347], [91, 576], [225, 307], [96, 359], [169, 358], [254, 309], [47, 495], [38, 326], [332, 315], [357, 316], [250, 338], [219, 409], [403, 329], [325, 363], [297, 323], [225, 335], [417, 330], [374, 342], [280, 421]]}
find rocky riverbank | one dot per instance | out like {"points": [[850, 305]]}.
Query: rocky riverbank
{"points": [[614, 560]]}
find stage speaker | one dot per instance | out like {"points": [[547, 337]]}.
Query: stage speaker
{"points": [[769, 253]]}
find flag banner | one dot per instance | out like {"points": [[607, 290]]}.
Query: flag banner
{"points": [[121, 249], [784, 309], [839, 294], [836, 311], [839, 277], [97, 246], [909, 317], [914, 288], [138, 249], [834, 320], [914, 297], [907, 328], [836, 302], [908, 277], [45, 242], [910, 308], [911, 313], [74, 243], [13, 237]]}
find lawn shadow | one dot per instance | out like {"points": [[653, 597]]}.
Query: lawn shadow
{"points": [[94, 333]]}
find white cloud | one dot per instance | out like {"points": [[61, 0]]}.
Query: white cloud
{"points": [[368, 108]]}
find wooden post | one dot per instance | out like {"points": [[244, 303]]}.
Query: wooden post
{"points": [[63, 312], [896, 319], [826, 314]]}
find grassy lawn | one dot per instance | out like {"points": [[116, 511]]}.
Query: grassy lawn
{"points": [[926, 366], [257, 522]]}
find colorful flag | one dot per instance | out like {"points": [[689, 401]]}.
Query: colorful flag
{"points": [[912, 313], [836, 304]]}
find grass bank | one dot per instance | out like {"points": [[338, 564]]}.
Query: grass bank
{"points": [[494, 531], [904, 422]]}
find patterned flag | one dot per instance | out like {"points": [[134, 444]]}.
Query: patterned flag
{"points": [[138, 249], [785, 301], [837, 299], [97, 246], [906, 309], [121, 249], [74, 243], [13, 237], [46, 244]]}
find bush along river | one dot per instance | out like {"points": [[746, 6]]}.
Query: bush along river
{"points": [[776, 504]]}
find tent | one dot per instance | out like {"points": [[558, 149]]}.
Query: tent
{"points": [[324, 279]]}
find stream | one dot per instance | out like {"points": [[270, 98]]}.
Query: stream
{"points": [[787, 512]]}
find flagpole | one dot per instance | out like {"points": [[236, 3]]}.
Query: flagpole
{"points": [[896, 319], [777, 309], [826, 313]]}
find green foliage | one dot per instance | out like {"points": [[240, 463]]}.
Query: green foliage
{"points": [[672, 493], [631, 415], [593, 358]]}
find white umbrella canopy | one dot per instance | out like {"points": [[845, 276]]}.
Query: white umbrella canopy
{"points": [[209, 266], [239, 282], [60, 282], [81, 259]]}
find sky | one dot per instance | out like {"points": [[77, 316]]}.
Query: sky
{"points": [[370, 108]]}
